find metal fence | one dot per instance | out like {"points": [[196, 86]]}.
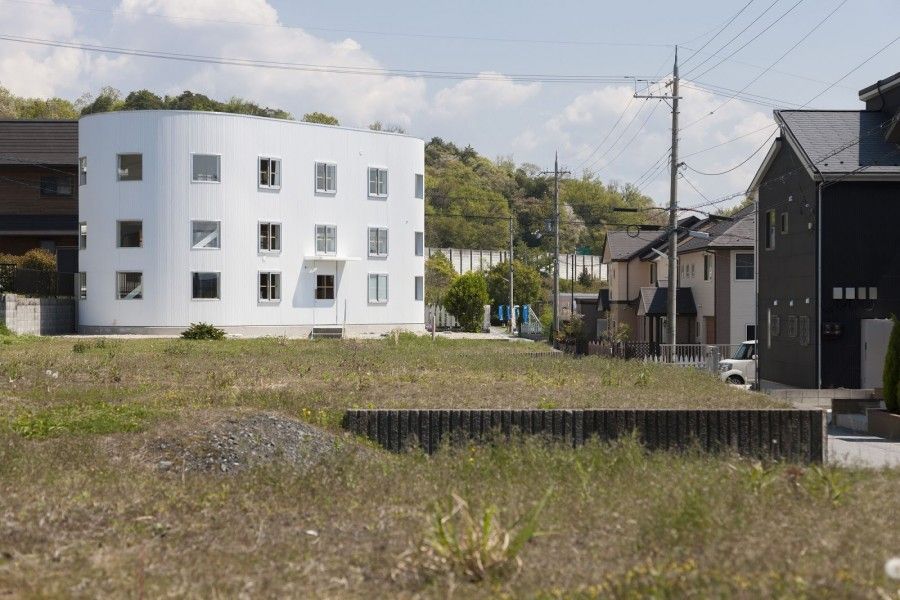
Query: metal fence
{"points": [[32, 282], [701, 356]]}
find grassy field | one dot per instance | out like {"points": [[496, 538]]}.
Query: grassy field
{"points": [[107, 489]]}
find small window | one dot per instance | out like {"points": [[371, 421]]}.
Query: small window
{"points": [[770, 229], [743, 266], [707, 267], [378, 182], [82, 170], [82, 236], [81, 285], [130, 234], [129, 285], [205, 235], [269, 287], [269, 172], [792, 326], [57, 186], [326, 239], [837, 293], [206, 168], [130, 167], [378, 288], [861, 293], [420, 243], [420, 287], [205, 286], [653, 268], [324, 287], [850, 293], [784, 223], [378, 241], [326, 178], [873, 293], [776, 325], [420, 186], [803, 334], [750, 332], [270, 237]]}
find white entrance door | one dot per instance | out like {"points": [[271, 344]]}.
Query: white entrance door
{"points": [[874, 339]]}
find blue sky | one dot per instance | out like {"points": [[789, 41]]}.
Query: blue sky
{"points": [[497, 115]]}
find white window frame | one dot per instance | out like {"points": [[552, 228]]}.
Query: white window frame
{"points": [[327, 227], [379, 253], [130, 295], [419, 243], [119, 233], [82, 170], [194, 246], [218, 168], [119, 166], [379, 297], [82, 235], [274, 182], [419, 285], [259, 237], [324, 189], [379, 192], [269, 287], [419, 186], [218, 296]]}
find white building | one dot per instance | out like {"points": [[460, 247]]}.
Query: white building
{"points": [[259, 226]]}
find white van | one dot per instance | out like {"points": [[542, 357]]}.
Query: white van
{"points": [[740, 369]]}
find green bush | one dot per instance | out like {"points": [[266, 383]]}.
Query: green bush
{"points": [[9, 259], [203, 331], [439, 274], [891, 378], [526, 283], [465, 300], [38, 259]]}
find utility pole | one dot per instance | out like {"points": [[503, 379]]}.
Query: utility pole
{"points": [[512, 306], [556, 174], [673, 206]]}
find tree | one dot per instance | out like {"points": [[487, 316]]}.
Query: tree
{"points": [[143, 100], [17, 107], [526, 283], [439, 274], [389, 127], [465, 300], [891, 377], [320, 118], [110, 99]]}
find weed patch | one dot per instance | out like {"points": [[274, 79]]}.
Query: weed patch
{"points": [[88, 418]]}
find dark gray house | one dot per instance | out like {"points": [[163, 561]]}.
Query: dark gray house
{"points": [[828, 197]]}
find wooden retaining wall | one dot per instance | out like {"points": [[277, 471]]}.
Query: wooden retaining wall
{"points": [[791, 434]]}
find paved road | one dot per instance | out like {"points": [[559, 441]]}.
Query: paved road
{"points": [[859, 449]]}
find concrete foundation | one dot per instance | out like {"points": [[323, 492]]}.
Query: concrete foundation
{"points": [[38, 316], [253, 331]]}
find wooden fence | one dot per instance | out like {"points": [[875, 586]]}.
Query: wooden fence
{"points": [[790, 434]]}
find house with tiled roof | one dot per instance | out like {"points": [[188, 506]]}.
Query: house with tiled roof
{"points": [[828, 196]]}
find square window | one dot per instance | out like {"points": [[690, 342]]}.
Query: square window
{"points": [[873, 293], [378, 182], [205, 286], [205, 235], [81, 285], [82, 170], [326, 178], [130, 167], [420, 287], [850, 293], [130, 234], [57, 186], [420, 243], [861, 293], [837, 293], [378, 241], [82, 236], [324, 287], [206, 168], [129, 285], [326, 239], [269, 287], [269, 173], [270, 237], [743, 266], [420, 186], [378, 288]]}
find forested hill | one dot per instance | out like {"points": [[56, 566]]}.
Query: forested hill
{"points": [[468, 197]]}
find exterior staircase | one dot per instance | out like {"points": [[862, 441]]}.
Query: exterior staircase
{"points": [[331, 332]]}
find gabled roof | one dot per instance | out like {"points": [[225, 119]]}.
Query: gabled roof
{"points": [[839, 142], [38, 142], [653, 301], [884, 85], [738, 232], [623, 246]]}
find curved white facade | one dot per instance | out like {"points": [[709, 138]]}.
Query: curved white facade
{"points": [[158, 210]]}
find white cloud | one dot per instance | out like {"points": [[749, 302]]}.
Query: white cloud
{"points": [[258, 12], [488, 90]]}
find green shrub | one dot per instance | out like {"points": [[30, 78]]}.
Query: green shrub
{"points": [[38, 259], [203, 331], [891, 378], [526, 283], [9, 259], [465, 300]]}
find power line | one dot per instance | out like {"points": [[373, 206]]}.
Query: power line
{"points": [[737, 166], [619, 137], [608, 133], [854, 69], [631, 140], [734, 139], [721, 29]]}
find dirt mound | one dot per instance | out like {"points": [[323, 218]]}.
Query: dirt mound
{"points": [[230, 443]]}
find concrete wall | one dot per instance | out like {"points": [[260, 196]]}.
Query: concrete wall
{"points": [[38, 316]]}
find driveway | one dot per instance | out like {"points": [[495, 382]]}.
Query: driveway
{"points": [[852, 448]]}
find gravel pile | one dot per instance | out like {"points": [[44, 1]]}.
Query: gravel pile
{"points": [[236, 443]]}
